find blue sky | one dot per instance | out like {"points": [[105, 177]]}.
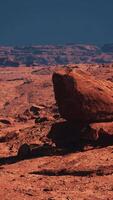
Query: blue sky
{"points": [[25, 22]]}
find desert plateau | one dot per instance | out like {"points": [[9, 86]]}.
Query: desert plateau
{"points": [[56, 132], [56, 100]]}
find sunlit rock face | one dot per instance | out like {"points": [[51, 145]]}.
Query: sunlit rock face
{"points": [[82, 98]]}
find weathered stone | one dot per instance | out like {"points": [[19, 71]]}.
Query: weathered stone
{"points": [[101, 130], [5, 121], [41, 119], [34, 109], [82, 98], [24, 151]]}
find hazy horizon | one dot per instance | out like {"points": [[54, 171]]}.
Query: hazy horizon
{"points": [[54, 44]]}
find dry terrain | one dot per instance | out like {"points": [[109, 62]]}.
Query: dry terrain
{"points": [[41, 168]]}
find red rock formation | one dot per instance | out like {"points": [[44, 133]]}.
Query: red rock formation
{"points": [[102, 132], [82, 98]]}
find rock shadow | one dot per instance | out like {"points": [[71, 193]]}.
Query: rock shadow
{"points": [[77, 136], [100, 171], [67, 135], [27, 152], [67, 138]]}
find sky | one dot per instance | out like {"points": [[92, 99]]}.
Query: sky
{"points": [[26, 22]]}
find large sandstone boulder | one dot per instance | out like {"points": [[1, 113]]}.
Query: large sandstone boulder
{"points": [[82, 98]]}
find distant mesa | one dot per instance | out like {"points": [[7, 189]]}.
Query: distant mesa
{"points": [[49, 55], [107, 48]]}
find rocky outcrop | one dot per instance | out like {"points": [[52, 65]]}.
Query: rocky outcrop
{"points": [[102, 133], [82, 98], [87, 105]]}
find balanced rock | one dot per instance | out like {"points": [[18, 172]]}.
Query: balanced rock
{"points": [[82, 98]]}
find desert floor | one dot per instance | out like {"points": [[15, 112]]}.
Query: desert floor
{"points": [[46, 172]]}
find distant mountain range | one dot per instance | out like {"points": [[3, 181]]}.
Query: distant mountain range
{"points": [[48, 55]]}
